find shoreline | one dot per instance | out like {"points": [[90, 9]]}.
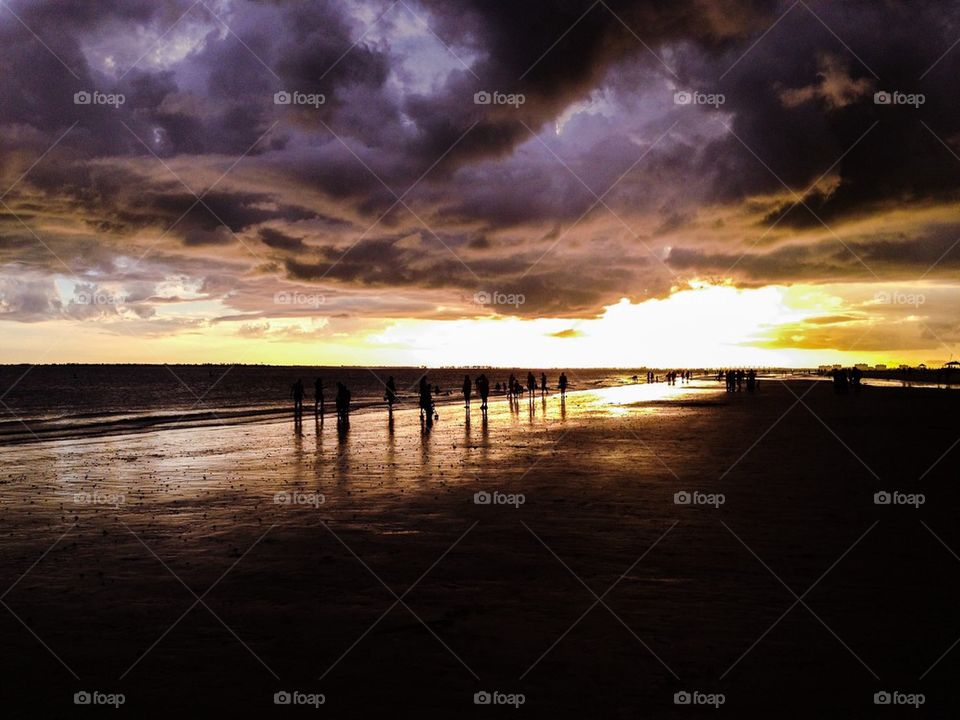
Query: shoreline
{"points": [[30, 431]]}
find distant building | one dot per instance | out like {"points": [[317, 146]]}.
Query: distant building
{"points": [[879, 367], [862, 366]]}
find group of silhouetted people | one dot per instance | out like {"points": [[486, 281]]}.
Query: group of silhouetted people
{"points": [[670, 377], [482, 384], [844, 380], [341, 400], [513, 388], [479, 386], [736, 379]]}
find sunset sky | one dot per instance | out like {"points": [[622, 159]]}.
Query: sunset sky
{"points": [[682, 182]]}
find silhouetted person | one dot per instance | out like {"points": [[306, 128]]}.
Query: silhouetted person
{"points": [[855, 377], [563, 385], [391, 395], [343, 404], [531, 385], [840, 381], [318, 399], [543, 383], [751, 380], [483, 387], [297, 392], [466, 389], [426, 401]]}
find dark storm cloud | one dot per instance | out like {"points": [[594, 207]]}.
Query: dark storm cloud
{"points": [[931, 254], [307, 193], [899, 161], [554, 52]]}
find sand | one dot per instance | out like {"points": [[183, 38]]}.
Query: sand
{"points": [[382, 584]]}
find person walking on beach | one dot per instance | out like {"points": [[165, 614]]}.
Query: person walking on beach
{"points": [[531, 385], [856, 375], [426, 401], [297, 392], [318, 399], [467, 387], [840, 385], [483, 387], [343, 404], [391, 395], [543, 383], [563, 385]]}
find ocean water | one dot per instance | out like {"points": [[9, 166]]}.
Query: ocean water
{"points": [[56, 401]]}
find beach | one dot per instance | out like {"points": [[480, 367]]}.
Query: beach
{"points": [[630, 543]]}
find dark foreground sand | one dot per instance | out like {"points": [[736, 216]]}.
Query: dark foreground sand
{"points": [[496, 597]]}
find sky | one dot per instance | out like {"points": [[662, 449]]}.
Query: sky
{"points": [[439, 182]]}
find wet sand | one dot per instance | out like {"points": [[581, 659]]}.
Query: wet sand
{"points": [[296, 591]]}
